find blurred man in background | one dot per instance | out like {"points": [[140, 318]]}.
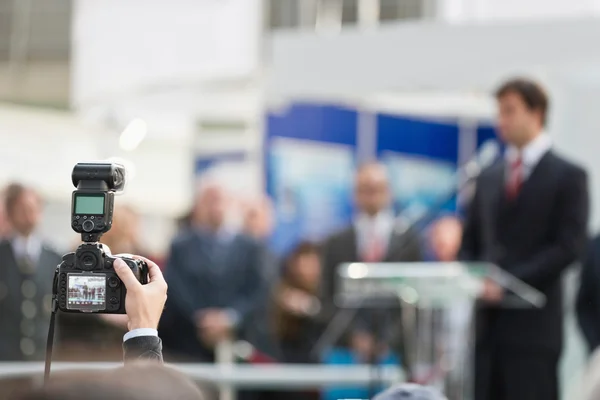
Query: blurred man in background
{"points": [[444, 237], [375, 236], [215, 280], [4, 222], [258, 224], [26, 271], [528, 215]]}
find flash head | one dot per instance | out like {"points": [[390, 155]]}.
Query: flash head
{"points": [[99, 176], [93, 200]]}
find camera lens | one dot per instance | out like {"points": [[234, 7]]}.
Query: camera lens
{"points": [[87, 261]]}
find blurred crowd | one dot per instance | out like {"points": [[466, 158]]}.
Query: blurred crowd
{"points": [[224, 282], [227, 286]]}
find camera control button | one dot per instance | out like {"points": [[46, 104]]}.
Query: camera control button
{"points": [[113, 282], [88, 225], [113, 300]]}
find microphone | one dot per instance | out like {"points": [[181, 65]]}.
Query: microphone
{"points": [[418, 214], [486, 156]]}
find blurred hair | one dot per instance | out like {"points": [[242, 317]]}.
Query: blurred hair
{"points": [[137, 381], [302, 249], [531, 92], [286, 324], [12, 193]]}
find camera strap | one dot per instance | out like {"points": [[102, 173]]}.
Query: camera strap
{"points": [[50, 342]]}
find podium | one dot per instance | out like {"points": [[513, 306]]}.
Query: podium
{"points": [[437, 302]]}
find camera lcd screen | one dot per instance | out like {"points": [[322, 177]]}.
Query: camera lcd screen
{"points": [[87, 292], [89, 205]]}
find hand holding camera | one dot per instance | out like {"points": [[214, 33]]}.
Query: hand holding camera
{"points": [[144, 303]]}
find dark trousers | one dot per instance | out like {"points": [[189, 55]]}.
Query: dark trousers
{"points": [[515, 374]]}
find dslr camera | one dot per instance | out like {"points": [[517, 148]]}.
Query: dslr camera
{"points": [[85, 281]]}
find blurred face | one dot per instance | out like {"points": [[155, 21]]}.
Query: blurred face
{"points": [[517, 124], [307, 269], [446, 238], [4, 223], [26, 214], [257, 221], [211, 207], [372, 193]]}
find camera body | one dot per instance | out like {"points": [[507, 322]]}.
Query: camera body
{"points": [[85, 281]]}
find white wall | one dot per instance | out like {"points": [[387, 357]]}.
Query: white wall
{"points": [[40, 148], [497, 10], [120, 47]]}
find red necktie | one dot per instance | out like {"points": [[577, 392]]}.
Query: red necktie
{"points": [[374, 250], [515, 178]]}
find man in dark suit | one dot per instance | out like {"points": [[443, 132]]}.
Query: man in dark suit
{"points": [[376, 235], [588, 298], [26, 273], [215, 278], [529, 216]]}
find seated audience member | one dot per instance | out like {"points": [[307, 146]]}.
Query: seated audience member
{"points": [[215, 277]]}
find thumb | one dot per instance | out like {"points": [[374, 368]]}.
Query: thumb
{"points": [[125, 273]]}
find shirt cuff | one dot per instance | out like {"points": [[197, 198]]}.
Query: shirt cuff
{"points": [[140, 332]]}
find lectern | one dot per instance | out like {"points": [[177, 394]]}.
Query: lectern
{"points": [[437, 302]]}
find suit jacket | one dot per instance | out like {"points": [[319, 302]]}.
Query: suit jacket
{"points": [[201, 275], [142, 348], [342, 248], [25, 304], [535, 238], [588, 298]]}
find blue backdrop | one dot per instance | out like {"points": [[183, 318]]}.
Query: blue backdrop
{"points": [[310, 155]]}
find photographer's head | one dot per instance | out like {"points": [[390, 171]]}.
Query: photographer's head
{"points": [[23, 208], [142, 381]]}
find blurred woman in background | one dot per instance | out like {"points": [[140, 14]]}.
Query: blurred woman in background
{"points": [[296, 306]]}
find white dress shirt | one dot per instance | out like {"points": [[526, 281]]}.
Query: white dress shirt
{"points": [[531, 154], [27, 247], [381, 225], [140, 332]]}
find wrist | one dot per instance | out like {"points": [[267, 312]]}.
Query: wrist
{"points": [[142, 324]]}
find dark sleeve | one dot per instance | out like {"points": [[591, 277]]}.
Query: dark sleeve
{"points": [[177, 279], [587, 306], [327, 291], [249, 297], [470, 244], [414, 247], [139, 348], [571, 218]]}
